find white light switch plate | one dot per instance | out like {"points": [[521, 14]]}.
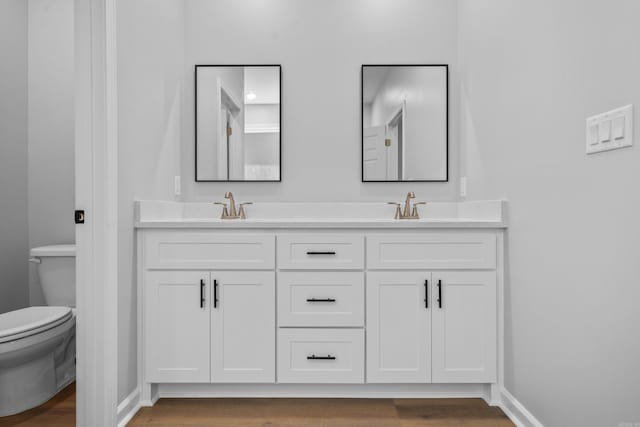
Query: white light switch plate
{"points": [[610, 130]]}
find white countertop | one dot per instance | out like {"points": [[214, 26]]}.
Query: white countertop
{"points": [[477, 214]]}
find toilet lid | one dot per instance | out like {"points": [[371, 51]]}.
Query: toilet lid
{"points": [[54, 250], [31, 320]]}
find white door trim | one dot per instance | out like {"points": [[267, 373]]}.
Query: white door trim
{"points": [[399, 114], [96, 192]]}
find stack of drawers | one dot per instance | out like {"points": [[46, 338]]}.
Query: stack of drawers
{"points": [[320, 308]]}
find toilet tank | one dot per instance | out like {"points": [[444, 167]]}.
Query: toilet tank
{"points": [[56, 265]]}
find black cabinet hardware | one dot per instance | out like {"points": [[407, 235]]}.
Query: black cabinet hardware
{"points": [[426, 294], [327, 357], [215, 293], [439, 293], [321, 252], [201, 293], [321, 300]]}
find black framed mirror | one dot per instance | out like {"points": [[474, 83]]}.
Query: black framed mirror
{"points": [[238, 123], [405, 123]]}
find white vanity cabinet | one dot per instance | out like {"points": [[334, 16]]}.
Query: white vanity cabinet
{"points": [[212, 324], [310, 309], [433, 325]]}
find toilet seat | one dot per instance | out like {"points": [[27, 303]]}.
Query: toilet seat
{"points": [[30, 321]]}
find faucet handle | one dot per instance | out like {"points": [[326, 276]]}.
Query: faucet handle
{"points": [[398, 213], [225, 209], [242, 213], [414, 211]]}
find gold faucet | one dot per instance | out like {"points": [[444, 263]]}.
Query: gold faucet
{"points": [[409, 211], [230, 211]]}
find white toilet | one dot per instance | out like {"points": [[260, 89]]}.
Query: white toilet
{"points": [[37, 344]]}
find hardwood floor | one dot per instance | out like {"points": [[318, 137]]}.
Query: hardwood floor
{"points": [[60, 412], [321, 413]]}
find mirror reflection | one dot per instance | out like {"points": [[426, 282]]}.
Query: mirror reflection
{"points": [[237, 123], [404, 123]]}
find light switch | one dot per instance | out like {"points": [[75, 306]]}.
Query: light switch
{"points": [[609, 131], [618, 127], [605, 131], [594, 135]]}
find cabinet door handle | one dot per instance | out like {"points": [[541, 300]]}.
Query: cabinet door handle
{"points": [[215, 293], [439, 293], [327, 357], [426, 293], [201, 293], [321, 300], [321, 252]]}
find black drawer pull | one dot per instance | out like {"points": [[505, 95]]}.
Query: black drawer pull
{"points": [[439, 293], [201, 293], [327, 357], [321, 252], [321, 300], [215, 293], [426, 294]]}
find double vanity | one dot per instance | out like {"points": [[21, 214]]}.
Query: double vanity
{"points": [[320, 299]]}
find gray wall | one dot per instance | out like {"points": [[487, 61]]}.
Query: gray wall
{"points": [[531, 72], [150, 85], [321, 45], [51, 128], [14, 291]]}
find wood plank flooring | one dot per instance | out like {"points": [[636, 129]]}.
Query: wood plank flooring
{"points": [[60, 412], [320, 413]]}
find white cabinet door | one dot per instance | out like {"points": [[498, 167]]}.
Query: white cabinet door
{"points": [[398, 327], [464, 327], [243, 330], [177, 322]]}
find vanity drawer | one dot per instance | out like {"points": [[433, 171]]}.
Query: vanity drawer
{"points": [[321, 251], [431, 251], [321, 356], [321, 299], [206, 250]]}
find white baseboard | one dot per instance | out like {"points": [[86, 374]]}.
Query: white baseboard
{"points": [[516, 411], [128, 407]]}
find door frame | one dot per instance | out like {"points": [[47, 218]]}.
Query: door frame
{"points": [[96, 167], [398, 114]]}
